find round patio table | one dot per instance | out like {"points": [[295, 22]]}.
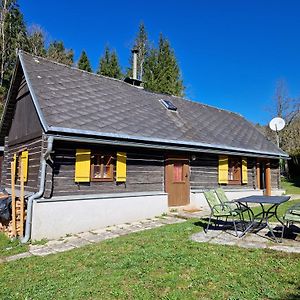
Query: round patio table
{"points": [[265, 214]]}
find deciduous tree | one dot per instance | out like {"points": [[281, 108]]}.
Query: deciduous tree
{"points": [[58, 53], [36, 40]]}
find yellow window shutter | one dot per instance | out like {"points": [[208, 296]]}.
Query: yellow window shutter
{"points": [[244, 171], [24, 161], [83, 165], [223, 169], [121, 167]]}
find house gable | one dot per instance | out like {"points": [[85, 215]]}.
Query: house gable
{"points": [[25, 124]]}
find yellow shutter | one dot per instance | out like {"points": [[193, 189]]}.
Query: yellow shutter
{"points": [[244, 171], [121, 167], [223, 169], [24, 161], [83, 165]]}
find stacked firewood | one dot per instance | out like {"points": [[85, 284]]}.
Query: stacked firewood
{"points": [[7, 226]]}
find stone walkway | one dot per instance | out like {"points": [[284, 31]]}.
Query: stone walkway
{"points": [[250, 240], [93, 236]]}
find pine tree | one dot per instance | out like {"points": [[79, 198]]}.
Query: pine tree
{"points": [[36, 41], [141, 43], [58, 53], [115, 68], [109, 64], [162, 72], [84, 63], [12, 37], [104, 63]]}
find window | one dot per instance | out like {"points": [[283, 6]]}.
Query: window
{"points": [[101, 167], [168, 104], [178, 172], [234, 170]]}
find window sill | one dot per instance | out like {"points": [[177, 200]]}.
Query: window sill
{"points": [[234, 182], [102, 179]]}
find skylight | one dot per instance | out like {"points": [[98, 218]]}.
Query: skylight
{"points": [[168, 104]]}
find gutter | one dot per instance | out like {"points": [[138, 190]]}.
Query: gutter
{"points": [[176, 143], [39, 194], [140, 144]]}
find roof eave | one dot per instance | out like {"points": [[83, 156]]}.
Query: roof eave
{"points": [[137, 140]]}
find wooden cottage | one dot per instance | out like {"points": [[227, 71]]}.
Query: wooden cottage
{"points": [[99, 151]]}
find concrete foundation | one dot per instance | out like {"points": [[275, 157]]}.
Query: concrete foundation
{"points": [[56, 217], [198, 200]]}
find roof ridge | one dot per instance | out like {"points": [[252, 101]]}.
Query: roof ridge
{"points": [[73, 68]]}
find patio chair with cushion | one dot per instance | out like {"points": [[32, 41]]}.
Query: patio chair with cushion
{"points": [[220, 210], [234, 205], [291, 216]]}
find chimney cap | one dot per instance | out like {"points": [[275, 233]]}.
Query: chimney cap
{"points": [[135, 50]]}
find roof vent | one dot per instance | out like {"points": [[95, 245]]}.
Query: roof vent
{"points": [[168, 104], [36, 60]]}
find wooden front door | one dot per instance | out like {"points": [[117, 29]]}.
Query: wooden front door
{"points": [[177, 183]]}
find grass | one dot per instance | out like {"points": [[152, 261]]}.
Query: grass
{"points": [[9, 247], [292, 186], [161, 263], [281, 209]]}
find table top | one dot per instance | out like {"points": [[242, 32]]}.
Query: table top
{"points": [[264, 199]]}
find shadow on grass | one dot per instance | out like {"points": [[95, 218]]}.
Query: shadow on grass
{"points": [[295, 296]]}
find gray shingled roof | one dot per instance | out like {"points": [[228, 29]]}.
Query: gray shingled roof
{"points": [[71, 100]]}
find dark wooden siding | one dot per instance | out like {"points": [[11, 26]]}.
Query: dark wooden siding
{"points": [[275, 174], [145, 172], [204, 173], [25, 122], [34, 148]]}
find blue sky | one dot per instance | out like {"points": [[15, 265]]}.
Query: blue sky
{"points": [[231, 53]]}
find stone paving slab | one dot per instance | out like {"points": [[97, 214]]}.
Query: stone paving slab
{"points": [[18, 256], [43, 251], [62, 247], [94, 236], [250, 240]]}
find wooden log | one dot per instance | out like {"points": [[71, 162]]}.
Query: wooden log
{"points": [[22, 199], [268, 179], [13, 198]]}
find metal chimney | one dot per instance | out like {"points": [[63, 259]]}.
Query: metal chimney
{"points": [[134, 63]]}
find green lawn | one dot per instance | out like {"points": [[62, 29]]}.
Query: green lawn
{"points": [[292, 186], [8, 247], [155, 264]]}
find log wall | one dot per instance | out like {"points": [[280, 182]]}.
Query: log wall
{"points": [[145, 172], [204, 173], [34, 148]]}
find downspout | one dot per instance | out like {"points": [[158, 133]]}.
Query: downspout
{"points": [[39, 194]]}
